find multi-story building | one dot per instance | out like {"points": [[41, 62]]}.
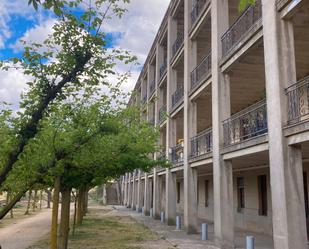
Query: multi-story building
{"points": [[229, 91]]}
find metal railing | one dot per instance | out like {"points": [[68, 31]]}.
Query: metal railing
{"points": [[177, 44], [152, 87], [298, 101], [280, 4], [163, 68], [162, 155], [144, 100], [201, 144], [176, 155], [197, 9], [177, 96], [201, 71], [162, 113], [248, 123], [151, 121], [235, 33]]}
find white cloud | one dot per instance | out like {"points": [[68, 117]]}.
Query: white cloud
{"points": [[12, 84], [139, 27], [37, 34], [8, 9]]}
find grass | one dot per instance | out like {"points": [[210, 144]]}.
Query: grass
{"points": [[100, 231]]}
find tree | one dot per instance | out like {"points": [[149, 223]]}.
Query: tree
{"points": [[72, 60]]}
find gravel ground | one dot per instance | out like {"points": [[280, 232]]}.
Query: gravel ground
{"points": [[25, 232]]}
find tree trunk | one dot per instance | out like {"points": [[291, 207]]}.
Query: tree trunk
{"points": [[54, 225], [85, 208], [48, 197], [41, 199], [5, 210], [80, 205], [35, 198], [65, 218], [29, 202], [74, 216]]}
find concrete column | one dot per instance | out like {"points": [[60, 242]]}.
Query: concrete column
{"points": [[170, 204], [222, 171], [156, 195], [133, 205], [139, 203], [129, 201], [126, 190], [190, 174], [147, 196], [288, 209]]}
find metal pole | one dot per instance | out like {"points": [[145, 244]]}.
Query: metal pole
{"points": [[178, 222], [204, 231], [162, 217], [250, 242]]}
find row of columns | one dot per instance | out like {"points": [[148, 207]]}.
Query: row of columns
{"points": [[285, 161]]}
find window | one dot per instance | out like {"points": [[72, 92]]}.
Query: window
{"points": [[240, 194], [178, 192], [206, 193], [262, 185]]}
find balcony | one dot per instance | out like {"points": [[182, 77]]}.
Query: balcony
{"points": [[197, 10], [239, 29], [248, 123], [162, 114], [163, 69], [162, 155], [201, 144], [280, 4], [152, 87], [144, 100], [177, 96], [151, 121], [177, 44], [201, 72], [176, 154], [298, 101]]}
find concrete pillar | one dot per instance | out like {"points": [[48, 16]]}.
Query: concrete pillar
{"points": [[156, 195], [222, 171], [125, 194], [190, 174], [147, 195], [129, 201], [133, 203], [288, 209], [139, 203], [170, 204]]}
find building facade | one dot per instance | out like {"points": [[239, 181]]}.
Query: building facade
{"points": [[229, 92]]}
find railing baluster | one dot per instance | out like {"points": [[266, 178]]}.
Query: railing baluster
{"points": [[298, 101], [246, 124], [245, 21]]}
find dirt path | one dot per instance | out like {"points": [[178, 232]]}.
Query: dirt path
{"points": [[25, 232]]}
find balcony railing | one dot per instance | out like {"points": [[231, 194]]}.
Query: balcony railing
{"points": [[176, 154], [151, 121], [201, 71], [201, 144], [152, 87], [248, 123], [235, 33], [144, 100], [162, 155], [298, 101], [280, 4], [197, 9], [162, 113], [177, 44], [163, 68], [177, 96]]}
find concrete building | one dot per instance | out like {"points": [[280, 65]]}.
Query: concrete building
{"points": [[229, 92]]}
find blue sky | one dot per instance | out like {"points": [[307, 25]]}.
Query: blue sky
{"points": [[134, 32]]}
